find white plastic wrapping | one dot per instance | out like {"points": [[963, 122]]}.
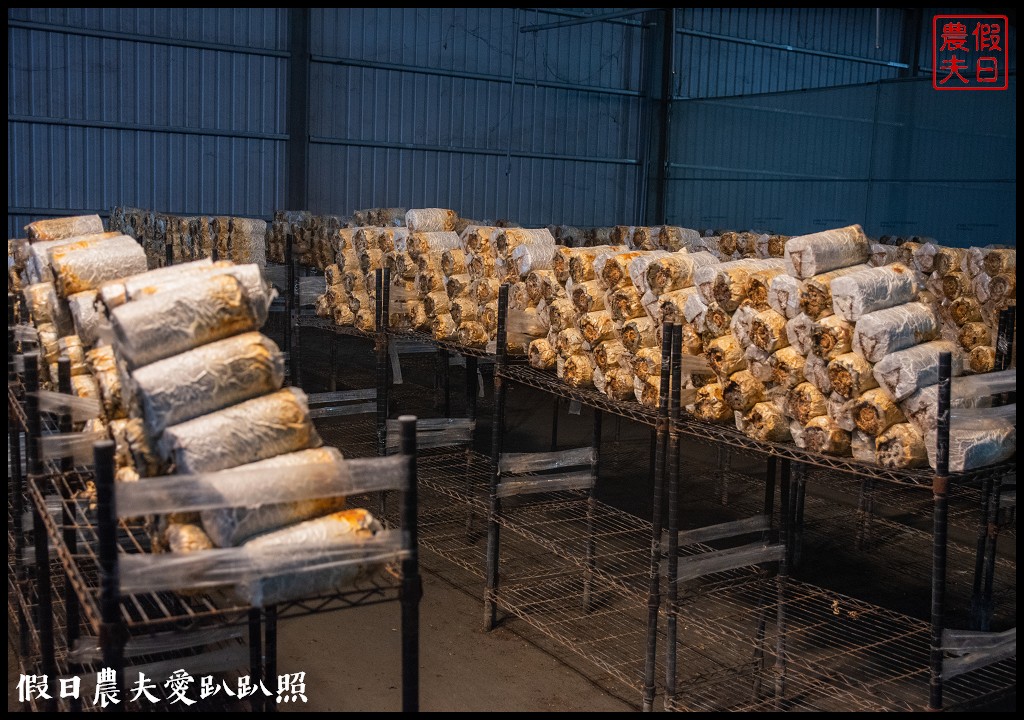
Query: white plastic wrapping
{"points": [[45, 308], [184, 317], [117, 292], [86, 318], [887, 331], [508, 239], [81, 408], [433, 243], [75, 445], [810, 255], [253, 430], [430, 219], [304, 560], [58, 228], [977, 444], [37, 267], [80, 267], [535, 256], [903, 373], [866, 291], [882, 254], [816, 292], [862, 446], [799, 332], [784, 295], [742, 323], [638, 268], [816, 373], [206, 379]]}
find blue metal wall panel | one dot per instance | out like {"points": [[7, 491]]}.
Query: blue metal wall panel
{"points": [[723, 52], [899, 158], [416, 107], [180, 110]]}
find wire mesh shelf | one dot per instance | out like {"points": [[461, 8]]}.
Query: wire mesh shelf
{"points": [[327, 325], [165, 610], [729, 436], [873, 657]]}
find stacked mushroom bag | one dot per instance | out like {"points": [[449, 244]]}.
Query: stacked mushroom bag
{"points": [[202, 393]]}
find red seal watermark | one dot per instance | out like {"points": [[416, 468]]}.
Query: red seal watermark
{"points": [[970, 52]]}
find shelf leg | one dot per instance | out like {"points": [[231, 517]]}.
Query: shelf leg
{"points": [[270, 657], [255, 647], [591, 562], [554, 423]]}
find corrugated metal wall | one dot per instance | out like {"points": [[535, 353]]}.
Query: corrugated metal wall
{"points": [[899, 158], [184, 110], [762, 138], [722, 52], [416, 107], [176, 109]]}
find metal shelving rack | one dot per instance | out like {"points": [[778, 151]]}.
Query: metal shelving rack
{"points": [[801, 616], [80, 588]]}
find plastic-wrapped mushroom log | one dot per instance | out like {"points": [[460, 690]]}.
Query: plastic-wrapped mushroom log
{"points": [[1000, 261], [902, 373], [822, 434], [867, 291], [717, 321], [800, 333], [625, 303], [882, 254], [228, 527], [805, 402], [86, 266], [108, 379], [423, 243], [154, 282], [508, 239], [816, 373], [582, 261], [831, 337], [810, 255], [45, 308], [875, 411], [765, 422], [768, 331], [787, 367], [38, 268], [184, 317], [710, 406], [638, 333], [58, 228], [965, 310], [541, 355], [675, 238], [570, 341], [430, 219], [597, 326], [344, 528], [816, 292], [252, 430], [725, 356], [730, 285], [615, 382], [206, 379], [743, 391], [975, 334], [784, 295], [887, 331], [478, 239], [613, 268], [443, 327], [579, 370], [976, 444]]}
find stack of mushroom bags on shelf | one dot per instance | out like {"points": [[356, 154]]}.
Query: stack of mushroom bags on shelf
{"points": [[193, 237], [823, 340], [184, 382], [604, 306]]}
